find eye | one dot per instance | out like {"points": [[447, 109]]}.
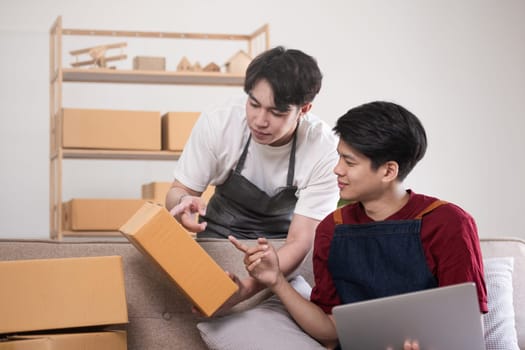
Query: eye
{"points": [[278, 113]]}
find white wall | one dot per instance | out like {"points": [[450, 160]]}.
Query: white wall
{"points": [[458, 65]]}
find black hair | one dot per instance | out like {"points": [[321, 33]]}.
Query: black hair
{"points": [[294, 76], [384, 131]]}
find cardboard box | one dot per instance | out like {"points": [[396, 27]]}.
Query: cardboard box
{"points": [[160, 237], [44, 294], [111, 129], [149, 63], [110, 340], [157, 191], [98, 214], [176, 129]]}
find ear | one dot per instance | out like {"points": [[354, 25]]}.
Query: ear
{"points": [[306, 108], [391, 170]]}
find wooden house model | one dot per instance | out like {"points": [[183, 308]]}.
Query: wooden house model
{"points": [[238, 63], [184, 65], [212, 67]]}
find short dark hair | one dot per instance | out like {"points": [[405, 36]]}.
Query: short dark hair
{"points": [[384, 131], [294, 76]]}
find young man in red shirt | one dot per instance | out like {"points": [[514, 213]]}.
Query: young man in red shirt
{"points": [[391, 240]]}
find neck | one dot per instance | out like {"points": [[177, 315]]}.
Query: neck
{"points": [[388, 204]]}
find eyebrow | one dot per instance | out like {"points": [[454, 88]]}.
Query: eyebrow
{"points": [[347, 156], [253, 97], [273, 108]]}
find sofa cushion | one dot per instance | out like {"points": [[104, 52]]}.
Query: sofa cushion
{"points": [[515, 247], [500, 331], [266, 326]]}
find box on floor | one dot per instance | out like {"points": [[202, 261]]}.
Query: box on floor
{"points": [[104, 340], [46, 294]]}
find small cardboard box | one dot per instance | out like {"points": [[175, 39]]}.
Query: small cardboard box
{"points": [[160, 237], [176, 129], [44, 294], [157, 191], [149, 63], [110, 340], [111, 129], [98, 214]]}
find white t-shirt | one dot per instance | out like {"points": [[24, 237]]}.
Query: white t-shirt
{"points": [[217, 141]]}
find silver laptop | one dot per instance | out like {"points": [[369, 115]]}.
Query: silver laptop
{"points": [[439, 318]]}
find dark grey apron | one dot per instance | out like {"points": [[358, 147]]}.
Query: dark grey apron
{"points": [[239, 208]]}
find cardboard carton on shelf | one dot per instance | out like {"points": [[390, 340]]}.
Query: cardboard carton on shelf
{"points": [[163, 240], [104, 340], [149, 63], [47, 294], [176, 129], [89, 214], [157, 191], [111, 129]]}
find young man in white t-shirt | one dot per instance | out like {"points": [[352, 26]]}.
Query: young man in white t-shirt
{"points": [[270, 159]]}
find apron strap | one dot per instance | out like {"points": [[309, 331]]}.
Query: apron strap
{"points": [[432, 206], [338, 216], [291, 161], [242, 159]]}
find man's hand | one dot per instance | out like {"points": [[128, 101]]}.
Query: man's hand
{"points": [[186, 213], [261, 261]]}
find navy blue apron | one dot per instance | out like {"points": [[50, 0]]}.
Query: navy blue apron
{"points": [[240, 208], [379, 259]]}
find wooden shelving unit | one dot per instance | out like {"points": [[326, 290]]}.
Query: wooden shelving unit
{"points": [[256, 42]]}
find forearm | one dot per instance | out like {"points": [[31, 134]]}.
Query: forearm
{"points": [[312, 319], [292, 253], [176, 193]]}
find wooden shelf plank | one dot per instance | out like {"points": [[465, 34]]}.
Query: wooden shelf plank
{"points": [[104, 75], [74, 153]]}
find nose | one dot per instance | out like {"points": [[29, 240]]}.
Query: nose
{"points": [[261, 118], [338, 169]]}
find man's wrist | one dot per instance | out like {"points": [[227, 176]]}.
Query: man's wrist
{"points": [[182, 197]]}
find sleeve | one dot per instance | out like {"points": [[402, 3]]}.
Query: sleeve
{"points": [[457, 251], [324, 293], [320, 195], [197, 163]]}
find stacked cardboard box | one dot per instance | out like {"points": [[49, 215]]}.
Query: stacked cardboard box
{"points": [[103, 340], [157, 191], [111, 129], [98, 214], [176, 129], [161, 238], [149, 63], [59, 294]]}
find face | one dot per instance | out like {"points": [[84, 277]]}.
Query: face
{"points": [[268, 125], [356, 179]]}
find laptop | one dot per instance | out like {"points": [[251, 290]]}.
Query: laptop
{"points": [[439, 318]]}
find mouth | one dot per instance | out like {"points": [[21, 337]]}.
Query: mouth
{"points": [[341, 185], [259, 134]]}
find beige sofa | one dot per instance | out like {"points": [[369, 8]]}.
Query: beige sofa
{"points": [[161, 318]]}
